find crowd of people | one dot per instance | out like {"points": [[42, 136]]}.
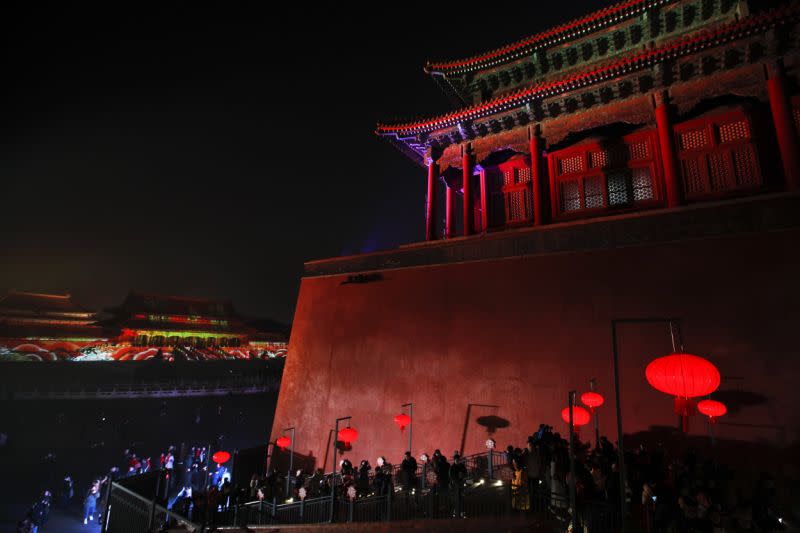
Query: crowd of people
{"points": [[193, 472], [664, 493]]}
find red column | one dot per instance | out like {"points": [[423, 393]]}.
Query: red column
{"points": [[450, 219], [784, 125], [430, 205], [669, 157], [469, 216], [537, 188]]}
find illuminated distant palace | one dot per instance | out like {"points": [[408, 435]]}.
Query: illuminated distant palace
{"points": [[50, 327]]}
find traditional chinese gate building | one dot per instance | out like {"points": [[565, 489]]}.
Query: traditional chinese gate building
{"points": [[640, 161]]}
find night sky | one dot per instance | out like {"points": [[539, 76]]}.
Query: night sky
{"points": [[210, 152]]}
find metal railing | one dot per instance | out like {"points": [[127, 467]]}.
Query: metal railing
{"points": [[480, 500], [128, 512], [476, 496]]}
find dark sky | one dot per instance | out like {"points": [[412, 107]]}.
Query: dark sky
{"points": [[210, 152]]}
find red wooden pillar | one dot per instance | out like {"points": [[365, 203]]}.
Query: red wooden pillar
{"points": [[784, 125], [469, 215], [430, 206], [450, 219], [669, 155], [484, 202], [537, 186]]}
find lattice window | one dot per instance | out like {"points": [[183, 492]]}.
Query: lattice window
{"points": [[570, 195], [721, 171], [618, 174], [642, 184], [593, 197], [598, 159], [518, 205], [571, 165], [692, 140], [717, 155], [693, 179], [512, 193], [639, 150], [746, 165], [733, 131], [618, 193]]}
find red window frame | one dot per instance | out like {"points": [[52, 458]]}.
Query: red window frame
{"points": [[518, 169], [718, 167], [590, 168]]}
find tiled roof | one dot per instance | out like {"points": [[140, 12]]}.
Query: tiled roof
{"points": [[576, 28], [630, 63], [35, 302]]}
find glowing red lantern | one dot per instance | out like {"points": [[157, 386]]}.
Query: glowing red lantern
{"points": [[580, 416], [348, 435], [592, 400], [283, 442], [684, 376], [712, 409], [402, 420], [221, 457]]}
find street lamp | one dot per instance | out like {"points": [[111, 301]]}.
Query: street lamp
{"points": [[347, 435], [570, 413], [490, 446], [282, 444], [404, 420], [675, 336], [593, 400]]}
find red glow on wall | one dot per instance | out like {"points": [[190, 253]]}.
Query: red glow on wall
{"points": [[592, 400], [221, 457], [580, 416], [683, 375], [283, 442], [348, 435], [402, 420]]}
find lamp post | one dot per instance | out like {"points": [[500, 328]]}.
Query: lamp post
{"points": [[592, 385], [675, 335], [291, 462], [333, 471], [572, 495], [490, 444], [410, 422]]}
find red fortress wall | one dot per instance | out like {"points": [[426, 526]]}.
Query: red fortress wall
{"points": [[516, 320]]}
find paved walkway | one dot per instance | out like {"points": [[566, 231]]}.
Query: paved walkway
{"points": [[59, 521]]}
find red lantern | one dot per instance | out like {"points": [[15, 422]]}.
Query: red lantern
{"points": [[712, 409], [283, 442], [684, 376], [402, 420], [221, 457], [592, 400], [580, 416], [348, 435]]}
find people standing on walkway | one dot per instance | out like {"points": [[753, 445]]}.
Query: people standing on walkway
{"points": [[66, 493], [408, 470], [40, 511], [90, 502]]}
